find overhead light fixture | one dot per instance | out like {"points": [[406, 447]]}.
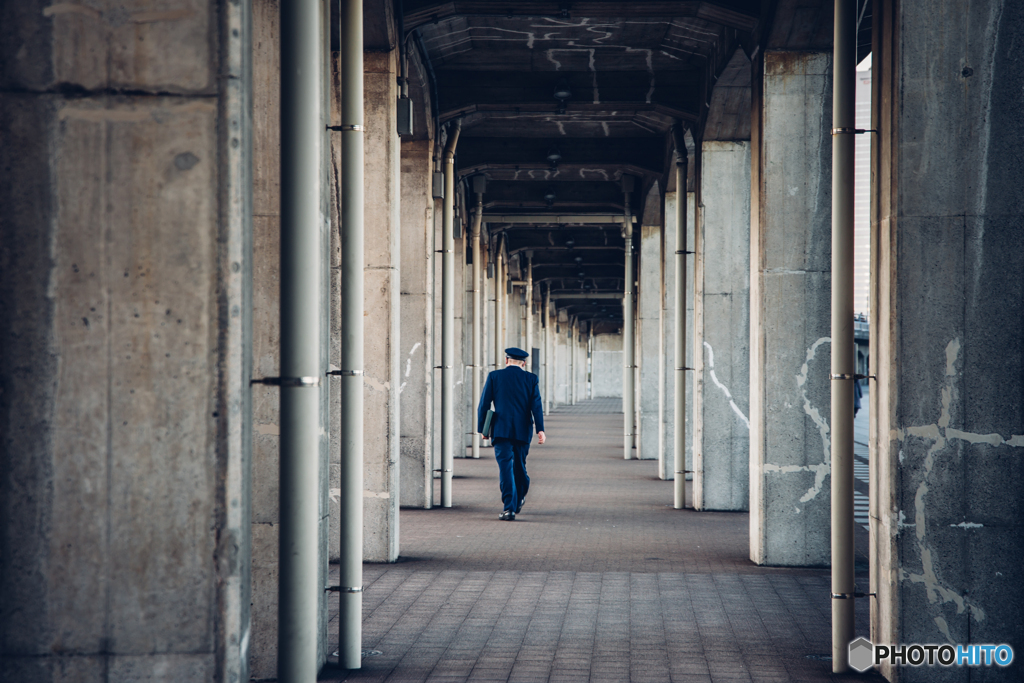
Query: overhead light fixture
{"points": [[582, 274], [570, 243], [578, 260], [549, 196], [562, 91], [554, 156]]}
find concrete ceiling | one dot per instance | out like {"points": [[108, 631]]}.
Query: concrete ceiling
{"points": [[630, 70]]}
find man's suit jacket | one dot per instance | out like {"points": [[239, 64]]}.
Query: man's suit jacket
{"points": [[516, 397]]}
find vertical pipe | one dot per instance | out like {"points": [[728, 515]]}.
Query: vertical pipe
{"points": [[843, 368], [352, 255], [549, 365], [571, 350], [529, 302], [679, 336], [448, 316], [478, 312], [301, 133], [499, 285], [627, 325]]}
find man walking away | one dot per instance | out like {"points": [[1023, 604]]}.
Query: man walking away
{"points": [[515, 394]]}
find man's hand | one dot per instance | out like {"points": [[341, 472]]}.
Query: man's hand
{"points": [[541, 438]]}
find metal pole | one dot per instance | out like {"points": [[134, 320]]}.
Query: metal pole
{"points": [[549, 365], [627, 325], [679, 403], [352, 267], [499, 284], [529, 302], [301, 133], [478, 342], [448, 316], [843, 367]]}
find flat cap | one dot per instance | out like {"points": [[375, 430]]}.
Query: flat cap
{"points": [[516, 354]]}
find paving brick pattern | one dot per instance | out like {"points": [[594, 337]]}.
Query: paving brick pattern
{"points": [[598, 579]]}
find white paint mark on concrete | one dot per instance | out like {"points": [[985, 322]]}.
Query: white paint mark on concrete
{"points": [[967, 525], [722, 387], [940, 434], [604, 127], [376, 384], [561, 127], [401, 387], [822, 469], [334, 495], [944, 629], [376, 494]]}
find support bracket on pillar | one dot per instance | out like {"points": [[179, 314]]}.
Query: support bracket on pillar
{"points": [[848, 376], [344, 373], [343, 589], [683, 251], [355, 127], [287, 381], [852, 131], [851, 596]]}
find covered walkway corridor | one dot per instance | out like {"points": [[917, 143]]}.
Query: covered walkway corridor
{"points": [[598, 579]]}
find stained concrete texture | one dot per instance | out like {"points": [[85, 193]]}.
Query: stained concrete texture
{"points": [[650, 349], [607, 366], [122, 413], [417, 323], [946, 449], [382, 301], [722, 330], [790, 304]]}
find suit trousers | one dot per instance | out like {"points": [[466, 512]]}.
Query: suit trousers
{"points": [[512, 477]]}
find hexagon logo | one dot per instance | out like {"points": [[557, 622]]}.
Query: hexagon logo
{"points": [[861, 654]]}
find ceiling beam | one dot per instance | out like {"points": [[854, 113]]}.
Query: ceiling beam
{"points": [[739, 14]]}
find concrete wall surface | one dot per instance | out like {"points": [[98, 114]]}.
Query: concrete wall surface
{"points": [[790, 253], [416, 329], [650, 341], [946, 333], [607, 366], [124, 399], [382, 300], [722, 331]]}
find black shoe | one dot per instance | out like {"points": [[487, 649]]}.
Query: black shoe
{"points": [[507, 516], [520, 506]]}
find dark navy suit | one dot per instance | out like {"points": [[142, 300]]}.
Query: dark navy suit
{"points": [[515, 394]]}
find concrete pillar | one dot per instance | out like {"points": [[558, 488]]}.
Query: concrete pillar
{"points": [[382, 377], [650, 339], [946, 319], [666, 433], [721, 396], [417, 325], [607, 367], [790, 290], [125, 294]]}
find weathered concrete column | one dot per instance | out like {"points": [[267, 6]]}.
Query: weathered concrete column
{"points": [[790, 293], [666, 432], [125, 292], [721, 397], [947, 436], [382, 356], [417, 325], [650, 341], [607, 368]]}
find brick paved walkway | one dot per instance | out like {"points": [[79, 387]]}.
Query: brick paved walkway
{"points": [[598, 579]]}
